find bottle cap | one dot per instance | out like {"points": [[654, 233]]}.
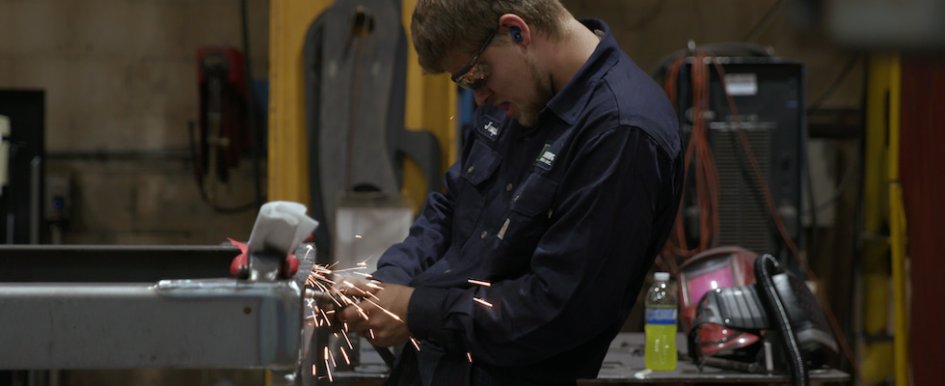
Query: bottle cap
{"points": [[661, 276]]}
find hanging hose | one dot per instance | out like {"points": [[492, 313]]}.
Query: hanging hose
{"points": [[774, 305]]}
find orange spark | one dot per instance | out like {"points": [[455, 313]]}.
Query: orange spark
{"points": [[393, 315], [483, 302], [328, 369], [361, 311], [332, 357], [374, 285], [480, 283], [327, 321]]}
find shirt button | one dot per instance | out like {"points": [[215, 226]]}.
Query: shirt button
{"points": [[483, 235], [508, 188], [471, 169]]}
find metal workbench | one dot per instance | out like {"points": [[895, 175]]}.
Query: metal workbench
{"points": [[622, 365], [260, 311]]}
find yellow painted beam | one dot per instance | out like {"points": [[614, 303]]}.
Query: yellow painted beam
{"points": [[431, 105], [288, 152], [877, 355], [884, 287], [897, 230], [874, 188]]}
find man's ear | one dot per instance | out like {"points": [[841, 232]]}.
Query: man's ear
{"points": [[515, 26]]}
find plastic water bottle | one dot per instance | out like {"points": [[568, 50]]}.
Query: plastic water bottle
{"points": [[660, 326]]}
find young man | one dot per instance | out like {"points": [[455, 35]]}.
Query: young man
{"points": [[565, 194]]}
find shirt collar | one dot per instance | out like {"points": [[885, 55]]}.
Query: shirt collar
{"points": [[570, 101]]}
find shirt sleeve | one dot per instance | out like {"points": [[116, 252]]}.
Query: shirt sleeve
{"points": [[612, 212], [427, 241]]}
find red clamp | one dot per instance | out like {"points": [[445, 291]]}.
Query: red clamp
{"points": [[239, 267]]}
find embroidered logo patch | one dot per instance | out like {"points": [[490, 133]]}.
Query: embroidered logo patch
{"points": [[491, 129], [546, 158]]}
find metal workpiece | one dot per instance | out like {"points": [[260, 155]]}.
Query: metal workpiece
{"points": [[265, 266], [218, 323]]}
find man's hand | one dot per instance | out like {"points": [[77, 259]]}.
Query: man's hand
{"points": [[386, 312]]}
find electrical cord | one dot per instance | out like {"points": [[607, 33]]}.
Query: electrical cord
{"points": [[735, 49], [778, 314], [203, 189], [705, 180], [698, 156], [756, 172], [254, 129], [779, 223]]}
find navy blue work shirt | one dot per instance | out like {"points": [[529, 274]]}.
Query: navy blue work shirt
{"points": [[563, 219]]}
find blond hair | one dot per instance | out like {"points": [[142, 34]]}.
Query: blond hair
{"points": [[444, 27]]}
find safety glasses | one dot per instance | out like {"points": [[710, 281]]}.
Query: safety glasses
{"points": [[473, 75]]}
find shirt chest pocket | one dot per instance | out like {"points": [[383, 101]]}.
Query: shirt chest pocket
{"points": [[534, 196], [478, 168], [528, 219], [480, 165]]}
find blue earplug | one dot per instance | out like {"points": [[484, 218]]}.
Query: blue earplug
{"points": [[516, 34]]}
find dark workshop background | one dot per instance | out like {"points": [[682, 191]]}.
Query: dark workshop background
{"points": [[121, 94], [120, 87]]}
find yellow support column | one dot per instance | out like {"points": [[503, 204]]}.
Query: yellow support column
{"points": [[884, 287], [897, 231], [431, 105], [877, 350], [288, 152]]}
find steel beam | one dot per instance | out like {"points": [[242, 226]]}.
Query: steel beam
{"points": [[217, 323]]}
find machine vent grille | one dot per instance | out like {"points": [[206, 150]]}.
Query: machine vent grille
{"points": [[742, 213]]}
